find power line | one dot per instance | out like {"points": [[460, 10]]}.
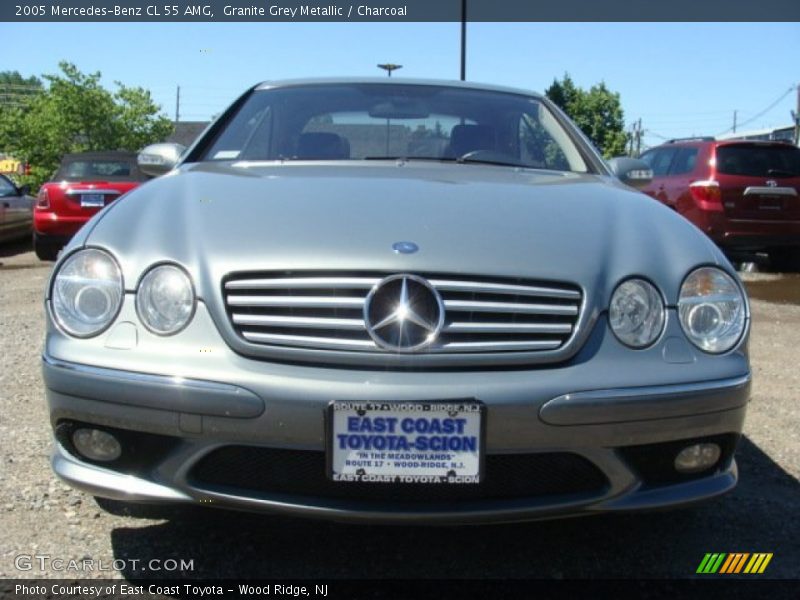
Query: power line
{"points": [[684, 113], [656, 135], [690, 117], [763, 112]]}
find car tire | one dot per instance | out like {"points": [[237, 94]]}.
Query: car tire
{"points": [[45, 249], [785, 259]]}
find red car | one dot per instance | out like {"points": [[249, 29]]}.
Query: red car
{"points": [[745, 195], [83, 184]]}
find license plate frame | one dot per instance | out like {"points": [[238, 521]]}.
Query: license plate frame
{"points": [[465, 468]]}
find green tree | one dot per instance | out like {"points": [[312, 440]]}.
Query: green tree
{"points": [[76, 114], [598, 112], [14, 78], [16, 90]]}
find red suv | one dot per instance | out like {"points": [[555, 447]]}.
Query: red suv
{"points": [[744, 195], [83, 184]]}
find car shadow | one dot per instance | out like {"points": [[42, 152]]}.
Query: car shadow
{"points": [[755, 262], [15, 247], [758, 516]]}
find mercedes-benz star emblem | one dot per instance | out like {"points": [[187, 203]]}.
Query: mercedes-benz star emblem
{"points": [[404, 247], [403, 313]]}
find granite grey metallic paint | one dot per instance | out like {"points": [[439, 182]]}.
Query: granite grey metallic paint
{"points": [[215, 219]]}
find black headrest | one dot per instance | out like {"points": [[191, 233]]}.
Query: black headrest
{"points": [[466, 138], [322, 145]]}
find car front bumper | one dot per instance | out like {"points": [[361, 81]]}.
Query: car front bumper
{"points": [[203, 397]]}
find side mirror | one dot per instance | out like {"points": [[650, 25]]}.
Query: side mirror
{"points": [[631, 171], [157, 159], [24, 190]]}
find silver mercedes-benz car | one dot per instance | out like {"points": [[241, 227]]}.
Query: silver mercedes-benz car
{"points": [[408, 301]]}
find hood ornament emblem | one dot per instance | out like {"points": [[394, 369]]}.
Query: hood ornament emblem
{"points": [[404, 247], [403, 313]]}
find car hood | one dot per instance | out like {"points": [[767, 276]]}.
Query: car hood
{"points": [[217, 218]]}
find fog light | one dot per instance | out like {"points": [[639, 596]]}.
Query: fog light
{"points": [[95, 444], [697, 457]]}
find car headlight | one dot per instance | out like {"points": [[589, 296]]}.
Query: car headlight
{"points": [[636, 313], [87, 292], [711, 308], [165, 299]]}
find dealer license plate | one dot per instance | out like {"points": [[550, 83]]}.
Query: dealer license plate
{"points": [[92, 200], [406, 442]]}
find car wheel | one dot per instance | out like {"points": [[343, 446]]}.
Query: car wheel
{"points": [[45, 249], [785, 259]]}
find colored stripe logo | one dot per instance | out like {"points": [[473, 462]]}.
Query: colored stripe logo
{"points": [[734, 563]]}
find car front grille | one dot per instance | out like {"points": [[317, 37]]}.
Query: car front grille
{"points": [[323, 310], [302, 473]]}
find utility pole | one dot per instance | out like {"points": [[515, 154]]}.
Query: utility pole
{"points": [[796, 115], [178, 105], [635, 139], [463, 40], [639, 138], [388, 67], [632, 140], [734, 121]]}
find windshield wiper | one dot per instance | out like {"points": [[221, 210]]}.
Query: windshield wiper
{"points": [[503, 162], [434, 158], [491, 157], [460, 159]]}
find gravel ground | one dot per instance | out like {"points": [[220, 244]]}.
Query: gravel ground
{"points": [[40, 515]]}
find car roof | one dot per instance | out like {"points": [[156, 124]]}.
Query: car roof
{"points": [[470, 85], [728, 142], [755, 143]]}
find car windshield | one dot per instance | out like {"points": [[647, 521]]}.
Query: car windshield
{"points": [[98, 169], [392, 121], [6, 187]]}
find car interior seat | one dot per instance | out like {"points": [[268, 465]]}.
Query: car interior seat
{"points": [[759, 164], [731, 165], [468, 138], [321, 145], [120, 171]]}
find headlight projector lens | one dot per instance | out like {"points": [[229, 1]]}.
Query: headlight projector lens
{"points": [[165, 300], [87, 292], [636, 313], [711, 309]]}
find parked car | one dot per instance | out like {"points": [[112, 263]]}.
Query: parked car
{"points": [[16, 210], [315, 313], [745, 195], [83, 184]]}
